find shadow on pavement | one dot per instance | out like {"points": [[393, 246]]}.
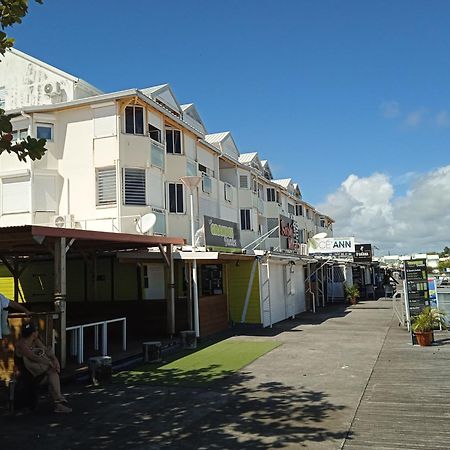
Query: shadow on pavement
{"points": [[229, 413]]}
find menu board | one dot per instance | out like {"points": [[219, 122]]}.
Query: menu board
{"points": [[417, 285]]}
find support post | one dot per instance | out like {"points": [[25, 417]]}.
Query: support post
{"points": [[188, 271], [171, 310], [60, 292]]}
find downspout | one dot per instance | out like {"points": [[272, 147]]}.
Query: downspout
{"points": [[30, 130]]}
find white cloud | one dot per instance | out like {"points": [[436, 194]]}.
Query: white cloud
{"points": [[390, 110], [442, 119], [368, 209], [415, 118]]}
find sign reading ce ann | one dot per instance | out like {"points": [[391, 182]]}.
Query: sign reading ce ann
{"points": [[331, 245]]}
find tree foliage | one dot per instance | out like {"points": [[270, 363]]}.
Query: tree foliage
{"points": [[12, 12]]}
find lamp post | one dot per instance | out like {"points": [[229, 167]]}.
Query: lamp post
{"points": [[192, 183]]}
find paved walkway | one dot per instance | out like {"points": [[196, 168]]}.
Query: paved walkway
{"points": [[342, 379]]}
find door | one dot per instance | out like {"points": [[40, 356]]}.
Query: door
{"points": [[154, 282]]}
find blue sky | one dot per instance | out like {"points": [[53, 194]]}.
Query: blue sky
{"points": [[321, 89]]}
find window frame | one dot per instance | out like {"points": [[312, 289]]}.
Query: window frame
{"points": [[168, 202], [97, 191], [46, 125], [134, 107], [246, 221], [124, 186], [170, 128]]}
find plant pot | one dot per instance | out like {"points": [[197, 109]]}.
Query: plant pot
{"points": [[424, 338]]}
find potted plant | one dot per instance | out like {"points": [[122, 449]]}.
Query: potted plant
{"points": [[424, 323], [352, 293]]}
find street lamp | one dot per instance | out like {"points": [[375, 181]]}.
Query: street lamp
{"points": [[191, 183]]}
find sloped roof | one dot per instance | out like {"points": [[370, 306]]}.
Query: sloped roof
{"points": [[190, 114], [246, 158], [217, 138], [156, 92], [284, 182]]}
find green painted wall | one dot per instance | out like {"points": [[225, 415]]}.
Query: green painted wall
{"points": [[238, 279]]}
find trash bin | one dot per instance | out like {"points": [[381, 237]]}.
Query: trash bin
{"points": [[151, 351], [100, 369], [188, 339]]}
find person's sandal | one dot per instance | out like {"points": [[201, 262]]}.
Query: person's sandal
{"points": [[60, 407]]}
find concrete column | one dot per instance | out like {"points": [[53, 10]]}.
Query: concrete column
{"points": [[60, 291]]}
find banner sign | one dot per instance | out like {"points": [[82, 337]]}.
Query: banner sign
{"points": [[331, 245], [432, 289], [289, 234], [363, 253], [417, 285], [222, 235]]}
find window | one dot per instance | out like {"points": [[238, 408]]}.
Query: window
{"points": [[160, 224], [271, 195], [245, 219], [44, 131], [206, 184], [291, 209], [2, 97], [255, 186], [206, 170], [277, 194], [157, 156], [134, 187], [307, 213], [20, 135], [16, 195], [191, 169], [243, 181], [173, 141], [106, 186], [322, 222], [299, 210], [228, 192], [134, 120], [154, 133], [176, 197]]}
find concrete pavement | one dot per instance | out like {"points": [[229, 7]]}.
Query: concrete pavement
{"points": [[311, 392]]}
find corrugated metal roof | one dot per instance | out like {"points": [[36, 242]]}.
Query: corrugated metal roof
{"points": [[216, 138], [245, 158], [284, 182], [153, 89]]}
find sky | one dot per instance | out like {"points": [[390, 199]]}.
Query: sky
{"points": [[351, 99]]}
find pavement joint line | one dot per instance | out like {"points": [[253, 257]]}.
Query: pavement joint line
{"points": [[344, 441]]}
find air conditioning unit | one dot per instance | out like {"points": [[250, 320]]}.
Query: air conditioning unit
{"points": [[64, 221], [52, 89]]}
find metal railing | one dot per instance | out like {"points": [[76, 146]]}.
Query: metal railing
{"points": [[77, 337]]}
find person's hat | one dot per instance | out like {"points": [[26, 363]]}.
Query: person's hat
{"points": [[28, 329]]}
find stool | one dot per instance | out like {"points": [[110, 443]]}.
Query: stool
{"points": [[188, 339], [100, 369], [151, 351]]}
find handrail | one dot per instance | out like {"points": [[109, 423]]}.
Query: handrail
{"points": [[77, 344]]}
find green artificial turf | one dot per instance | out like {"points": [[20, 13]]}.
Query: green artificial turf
{"points": [[203, 366]]}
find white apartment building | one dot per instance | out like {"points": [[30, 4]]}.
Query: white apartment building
{"points": [[114, 157]]}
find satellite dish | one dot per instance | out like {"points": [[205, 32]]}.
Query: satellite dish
{"points": [[145, 223], [320, 236]]}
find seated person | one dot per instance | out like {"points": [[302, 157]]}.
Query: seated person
{"points": [[32, 355]]}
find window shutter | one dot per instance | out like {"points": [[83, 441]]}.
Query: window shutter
{"points": [[106, 186], [243, 181], [134, 187], [206, 184]]}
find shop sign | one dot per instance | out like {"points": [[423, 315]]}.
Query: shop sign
{"points": [[363, 253], [417, 285], [222, 235], [336, 246], [289, 234]]}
